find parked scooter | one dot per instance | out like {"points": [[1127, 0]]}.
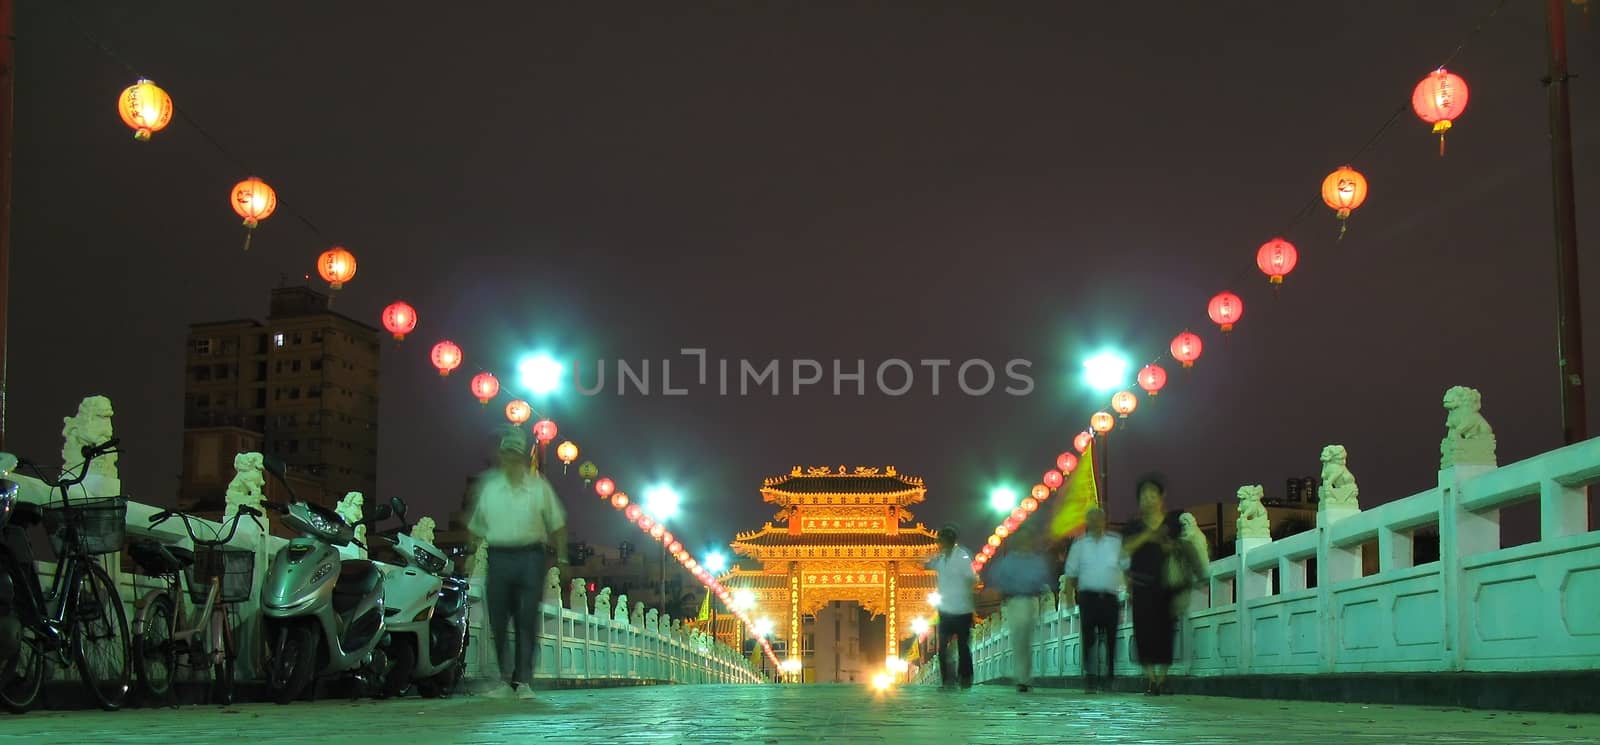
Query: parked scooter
{"points": [[426, 615], [321, 616]]}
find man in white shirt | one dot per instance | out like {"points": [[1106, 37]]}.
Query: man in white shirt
{"points": [[516, 512], [956, 584], [1094, 573]]}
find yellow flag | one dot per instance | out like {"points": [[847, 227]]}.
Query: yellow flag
{"points": [[705, 608], [1076, 498]]}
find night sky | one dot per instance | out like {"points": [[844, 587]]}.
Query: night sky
{"points": [[773, 180]]}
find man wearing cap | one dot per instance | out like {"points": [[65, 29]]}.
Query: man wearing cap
{"points": [[517, 514], [956, 584]]}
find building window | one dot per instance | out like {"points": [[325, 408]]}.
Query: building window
{"points": [[202, 372], [294, 366], [316, 364], [316, 337], [294, 393], [202, 400], [314, 392], [314, 446], [294, 446], [277, 339], [261, 398], [200, 346], [230, 346], [297, 337]]}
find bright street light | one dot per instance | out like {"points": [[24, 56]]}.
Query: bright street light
{"points": [[934, 598], [744, 600], [1106, 371], [1003, 499], [661, 502], [919, 625], [881, 681], [764, 627], [540, 374], [715, 562]]}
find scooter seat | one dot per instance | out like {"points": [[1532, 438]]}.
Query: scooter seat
{"points": [[158, 558], [357, 578]]}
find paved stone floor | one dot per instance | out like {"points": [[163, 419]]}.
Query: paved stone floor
{"points": [[801, 714]]}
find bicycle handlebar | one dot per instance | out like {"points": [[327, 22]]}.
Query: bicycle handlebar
{"points": [[90, 452], [233, 524]]}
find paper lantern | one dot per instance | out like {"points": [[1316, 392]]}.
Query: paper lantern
{"points": [[1039, 493], [1029, 504], [675, 548], [588, 471], [604, 487], [145, 108], [619, 500], [994, 540], [567, 452], [656, 531], [1003, 531], [1344, 190], [446, 356], [545, 430], [1225, 310], [1152, 378], [1438, 100], [400, 319], [1018, 515], [336, 266], [254, 201], [645, 523], [632, 511], [1102, 422], [518, 411], [1081, 440], [485, 387], [1186, 348], [1052, 479], [1066, 463], [1277, 258], [1124, 403]]}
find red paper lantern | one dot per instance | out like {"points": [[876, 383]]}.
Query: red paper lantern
{"points": [[675, 548], [1066, 463], [1152, 378], [645, 523], [632, 512], [1102, 422], [1011, 523], [1277, 258], [485, 387], [1225, 310], [544, 431], [656, 531], [1081, 441], [1053, 479], [604, 487], [446, 356], [400, 319], [1186, 348], [619, 500], [518, 411], [1344, 190], [1124, 403], [1438, 100], [336, 266]]}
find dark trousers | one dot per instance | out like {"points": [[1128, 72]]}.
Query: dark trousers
{"points": [[1098, 612], [516, 587], [958, 625]]}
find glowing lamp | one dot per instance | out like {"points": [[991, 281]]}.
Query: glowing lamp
{"points": [[1066, 463], [518, 411], [1001, 532], [1102, 422], [566, 452], [1124, 403], [145, 108], [1276, 258], [446, 357], [1225, 310], [1343, 191], [336, 266], [1081, 441], [545, 430], [400, 319], [1438, 100], [632, 511], [1030, 504], [619, 500], [254, 201], [1053, 479], [604, 487], [1039, 494], [994, 540], [1186, 348], [485, 386]]}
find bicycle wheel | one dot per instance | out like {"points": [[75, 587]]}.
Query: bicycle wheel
{"points": [[223, 670], [100, 638], [157, 660], [22, 676]]}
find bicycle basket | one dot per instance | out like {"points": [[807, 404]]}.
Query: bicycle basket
{"points": [[101, 524], [235, 568]]}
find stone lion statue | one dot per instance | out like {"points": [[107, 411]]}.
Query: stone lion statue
{"points": [[1469, 439], [602, 604], [578, 595], [349, 509], [1253, 521], [552, 585], [637, 618], [90, 426], [652, 620], [248, 479], [424, 530], [1338, 488]]}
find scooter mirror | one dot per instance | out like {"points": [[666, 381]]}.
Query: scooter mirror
{"points": [[273, 465], [381, 512], [399, 507]]}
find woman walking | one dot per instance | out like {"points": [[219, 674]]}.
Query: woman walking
{"points": [[1160, 565]]}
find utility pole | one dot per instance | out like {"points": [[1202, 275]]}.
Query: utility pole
{"points": [[8, 46], [1569, 320]]}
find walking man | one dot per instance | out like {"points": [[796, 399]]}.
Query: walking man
{"points": [[1094, 574], [957, 583], [517, 514], [1021, 575]]}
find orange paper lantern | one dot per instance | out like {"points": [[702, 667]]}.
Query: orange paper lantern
{"points": [[336, 266], [1186, 348], [1277, 258], [1152, 378], [1038, 492], [619, 500], [485, 387], [446, 356], [400, 319], [1438, 100], [1102, 422], [1344, 190], [145, 108], [1225, 310], [567, 452], [1124, 403], [518, 411], [254, 201]]}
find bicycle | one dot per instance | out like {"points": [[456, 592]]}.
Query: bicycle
{"points": [[162, 634], [82, 613]]}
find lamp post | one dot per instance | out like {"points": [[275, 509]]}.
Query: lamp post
{"points": [[661, 503], [1105, 372], [714, 563]]}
